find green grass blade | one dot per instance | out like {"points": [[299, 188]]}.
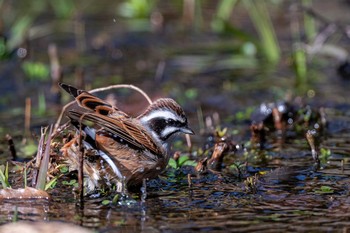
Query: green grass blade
{"points": [[223, 13], [4, 176], [261, 19], [309, 22]]}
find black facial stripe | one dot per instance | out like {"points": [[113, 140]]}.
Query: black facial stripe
{"points": [[159, 124]]}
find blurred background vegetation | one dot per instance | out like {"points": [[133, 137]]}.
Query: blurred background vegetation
{"points": [[204, 53]]}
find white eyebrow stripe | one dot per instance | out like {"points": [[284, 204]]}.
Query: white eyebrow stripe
{"points": [[168, 130], [166, 114]]}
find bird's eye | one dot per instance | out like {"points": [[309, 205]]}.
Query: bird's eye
{"points": [[170, 121]]}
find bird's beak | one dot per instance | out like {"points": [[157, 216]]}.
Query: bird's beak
{"points": [[187, 130]]}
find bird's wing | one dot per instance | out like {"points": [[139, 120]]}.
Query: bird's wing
{"points": [[120, 128], [91, 102]]}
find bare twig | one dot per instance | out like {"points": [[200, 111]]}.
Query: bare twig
{"points": [[11, 146], [27, 115], [44, 163], [314, 153], [81, 163], [118, 86], [56, 72], [38, 157], [189, 181]]}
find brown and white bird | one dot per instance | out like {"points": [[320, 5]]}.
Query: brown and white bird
{"points": [[121, 149]]}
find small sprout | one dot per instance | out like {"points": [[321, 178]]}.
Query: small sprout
{"points": [[116, 198], [106, 202], [184, 160], [239, 166], [4, 176], [64, 169], [324, 190], [221, 132], [251, 183], [325, 154], [72, 182], [178, 161], [51, 184], [172, 163]]}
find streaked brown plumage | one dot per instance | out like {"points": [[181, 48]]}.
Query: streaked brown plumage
{"points": [[122, 149]]}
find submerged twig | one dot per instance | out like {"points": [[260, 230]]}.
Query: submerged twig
{"points": [[311, 141], [143, 191], [258, 134], [11, 147], [220, 149], [189, 181]]}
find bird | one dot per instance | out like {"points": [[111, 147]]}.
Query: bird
{"points": [[119, 149]]}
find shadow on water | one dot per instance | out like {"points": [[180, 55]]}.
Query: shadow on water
{"points": [[279, 188]]}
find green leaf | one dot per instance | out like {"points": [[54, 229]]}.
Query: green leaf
{"points": [[325, 190], [106, 202], [4, 176], [191, 163], [182, 160], [172, 163], [51, 184], [115, 199]]}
